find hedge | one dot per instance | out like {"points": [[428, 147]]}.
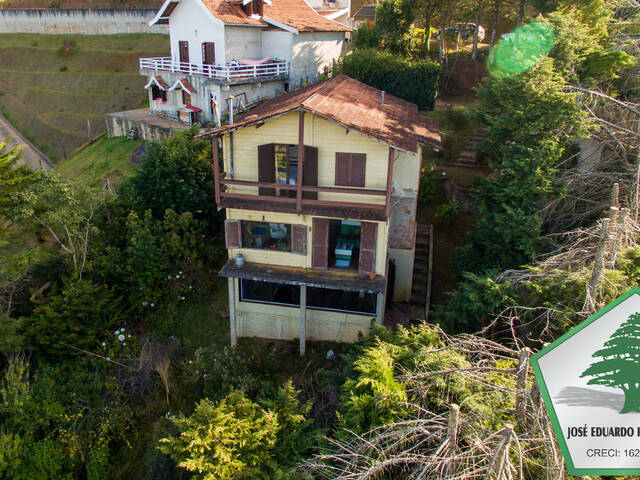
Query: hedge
{"points": [[412, 80]]}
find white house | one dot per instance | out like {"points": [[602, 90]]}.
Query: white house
{"points": [[235, 52]]}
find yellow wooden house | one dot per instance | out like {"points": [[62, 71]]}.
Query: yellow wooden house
{"points": [[320, 189]]}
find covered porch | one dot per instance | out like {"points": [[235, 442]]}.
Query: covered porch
{"points": [[344, 293]]}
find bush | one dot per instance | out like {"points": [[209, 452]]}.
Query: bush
{"points": [[448, 213], [365, 37], [427, 192], [412, 80]]}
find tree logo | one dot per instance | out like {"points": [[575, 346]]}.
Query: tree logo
{"points": [[620, 364], [589, 379]]}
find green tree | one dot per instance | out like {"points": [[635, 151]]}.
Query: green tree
{"points": [[393, 22], [620, 362]]}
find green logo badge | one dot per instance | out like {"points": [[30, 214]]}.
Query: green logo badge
{"points": [[590, 382]]}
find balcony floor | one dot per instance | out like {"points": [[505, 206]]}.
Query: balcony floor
{"points": [[361, 213]]}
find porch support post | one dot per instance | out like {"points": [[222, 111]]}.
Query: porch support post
{"points": [[303, 319], [216, 169], [300, 161], [380, 308], [232, 312], [387, 208]]}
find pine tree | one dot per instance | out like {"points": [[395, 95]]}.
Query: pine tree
{"points": [[620, 363]]}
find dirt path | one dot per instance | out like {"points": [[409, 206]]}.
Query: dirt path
{"points": [[31, 156]]}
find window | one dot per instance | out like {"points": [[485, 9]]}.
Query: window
{"points": [[158, 94], [267, 292], [344, 244], [286, 158], [186, 98], [208, 53], [254, 7], [350, 169], [317, 298], [278, 163], [266, 235]]}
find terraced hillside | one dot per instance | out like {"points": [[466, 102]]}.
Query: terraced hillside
{"points": [[50, 85]]}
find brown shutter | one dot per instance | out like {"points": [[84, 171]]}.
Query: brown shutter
{"points": [[368, 241], [320, 243], [358, 166], [299, 239], [310, 171], [233, 233], [343, 162], [183, 48], [208, 53], [266, 168]]}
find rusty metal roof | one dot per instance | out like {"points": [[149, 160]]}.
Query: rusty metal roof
{"points": [[354, 105]]}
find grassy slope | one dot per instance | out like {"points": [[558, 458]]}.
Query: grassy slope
{"points": [[106, 158], [50, 94]]}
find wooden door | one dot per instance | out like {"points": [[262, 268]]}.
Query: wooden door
{"points": [[320, 243], [183, 48], [368, 242], [209, 53]]}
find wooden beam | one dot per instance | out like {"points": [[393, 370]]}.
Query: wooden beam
{"points": [[300, 161], [216, 169], [305, 188], [303, 319], [308, 202], [387, 210], [232, 312], [380, 308]]}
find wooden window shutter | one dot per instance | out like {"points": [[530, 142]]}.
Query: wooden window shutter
{"points": [[310, 171], [233, 233], [320, 243], [208, 53], [299, 239], [343, 162], [358, 167], [183, 48], [368, 242], [350, 169], [266, 168]]}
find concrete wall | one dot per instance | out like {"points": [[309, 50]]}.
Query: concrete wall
{"points": [[311, 52], [192, 22], [273, 321], [80, 21], [243, 42], [118, 126], [277, 44]]}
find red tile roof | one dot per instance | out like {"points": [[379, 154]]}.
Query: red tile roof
{"points": [[354, 105], [293, 13]]}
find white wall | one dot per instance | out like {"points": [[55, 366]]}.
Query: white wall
{"points": [[243, 42], [311, 52], [192, 22], [277, 44]]}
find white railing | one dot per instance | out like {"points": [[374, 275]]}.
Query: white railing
{"points": [[228, 72]]}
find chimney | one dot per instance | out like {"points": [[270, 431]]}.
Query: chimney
{"points": [[382, 96], [230, 104]]}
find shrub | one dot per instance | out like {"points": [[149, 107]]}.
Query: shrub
{"points": [[412, 80], [448, 213], [365, 37], [63, 68], [427, 192]]}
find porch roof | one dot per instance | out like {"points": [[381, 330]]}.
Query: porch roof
{"points": [[334, 279]]}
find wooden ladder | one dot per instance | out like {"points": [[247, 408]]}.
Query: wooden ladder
{"points": [[422, 270]]}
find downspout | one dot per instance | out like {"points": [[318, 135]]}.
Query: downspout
{"points": [[231, 154]]}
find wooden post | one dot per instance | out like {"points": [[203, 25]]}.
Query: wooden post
{"points": [[232, 312], [598, 267], [452, 428], [303, 319], [380, 308], [387, 208], [89, 131], [300, 161], [618, 241], [216, 169]]}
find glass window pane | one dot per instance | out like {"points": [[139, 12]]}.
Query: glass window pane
{"points": [[267, 292], [266, 235]]}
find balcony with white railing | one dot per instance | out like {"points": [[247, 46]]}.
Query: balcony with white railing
{"points": [[230, 73]]}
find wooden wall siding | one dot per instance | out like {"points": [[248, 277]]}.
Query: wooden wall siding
{"points": [[299, 239], [273, 257], [320, 243], [329, 139], [368, 245], [233, 233]]}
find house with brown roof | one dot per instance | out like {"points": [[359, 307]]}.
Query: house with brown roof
{"points": [[320, 190], [231, 53]]}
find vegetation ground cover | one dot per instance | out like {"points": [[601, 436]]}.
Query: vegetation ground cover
{"points": [[51, 85]]}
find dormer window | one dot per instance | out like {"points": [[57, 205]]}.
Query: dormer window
{"points": [[252, 7]]}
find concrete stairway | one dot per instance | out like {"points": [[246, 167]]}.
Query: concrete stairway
{"points": [[422, 271], [468, 158]]}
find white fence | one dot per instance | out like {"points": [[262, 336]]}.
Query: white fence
{"points": [[228, 72]]}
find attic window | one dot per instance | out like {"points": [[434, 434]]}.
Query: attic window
{"points": [[252, 7]]}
